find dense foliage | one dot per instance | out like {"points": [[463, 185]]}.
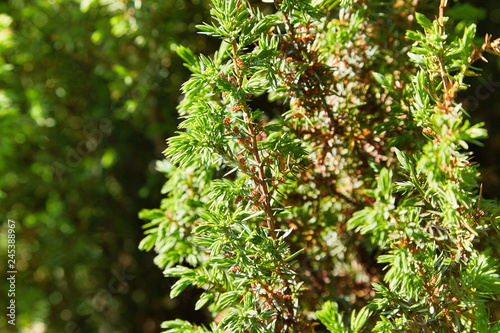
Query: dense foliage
{"points": [[351, 190], [88, 91]]}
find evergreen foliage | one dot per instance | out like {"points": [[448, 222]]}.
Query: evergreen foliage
{"points": [[362, 151]]}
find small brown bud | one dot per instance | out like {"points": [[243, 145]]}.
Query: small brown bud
{"points": [[236, 130], [235, 269], [433, 281], [428, 130], [236, 107], [238, 199], [226, 121], [240, 63]]}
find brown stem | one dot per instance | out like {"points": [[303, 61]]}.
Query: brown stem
{"points": [[235, 52], [442, 4], [262, 177], [446, 81], [261, 182]]}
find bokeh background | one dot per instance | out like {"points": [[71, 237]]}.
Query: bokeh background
{"points": [[88, 95]]}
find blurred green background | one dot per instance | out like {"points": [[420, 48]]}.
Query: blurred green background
{"points": [[88, 95]]}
